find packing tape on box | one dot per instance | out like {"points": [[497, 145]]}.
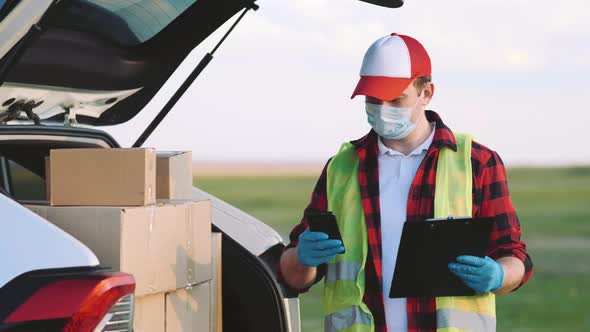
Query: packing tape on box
{"points": [[190, 259], [151, 248]]}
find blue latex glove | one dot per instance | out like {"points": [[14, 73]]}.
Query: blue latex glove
{"points": [[314, 248], [480, 274]]}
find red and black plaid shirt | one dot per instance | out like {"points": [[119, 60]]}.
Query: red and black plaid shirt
{"points": [[490, 199]]}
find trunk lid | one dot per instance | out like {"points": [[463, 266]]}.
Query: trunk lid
{"points": [[97, 61]]}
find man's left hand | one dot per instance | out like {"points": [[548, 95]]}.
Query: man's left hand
{"points": [[480, 274]]}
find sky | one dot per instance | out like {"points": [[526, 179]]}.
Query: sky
{"points": [[513, 73]]}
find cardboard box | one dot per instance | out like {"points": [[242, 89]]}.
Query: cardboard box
{"points": [[165, 246], [189, 310], [150, 313], [216, 292], [174, 175], [102, 177]]}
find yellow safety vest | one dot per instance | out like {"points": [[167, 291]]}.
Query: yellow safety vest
{"points": [[344, 288]]}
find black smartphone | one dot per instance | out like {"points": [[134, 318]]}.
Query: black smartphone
{"points": [[325, 222]]}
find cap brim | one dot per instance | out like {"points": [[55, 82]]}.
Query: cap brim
{"points": [[382, 88]]}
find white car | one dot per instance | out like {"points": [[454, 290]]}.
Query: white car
{"points": [[66, 65]]}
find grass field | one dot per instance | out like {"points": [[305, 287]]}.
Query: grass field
{"points": [[554, 210]]}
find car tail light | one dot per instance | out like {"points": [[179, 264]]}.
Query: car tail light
{"points": [[108, 307], [119, 318], [67, 300]]}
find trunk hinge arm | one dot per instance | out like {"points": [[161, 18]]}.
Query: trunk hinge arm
{"points": [[189, 81]]}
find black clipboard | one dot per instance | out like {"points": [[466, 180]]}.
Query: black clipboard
{"points": [[426, 248]]}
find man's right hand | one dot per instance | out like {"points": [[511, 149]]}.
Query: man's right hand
{"points": [[315, 248]]}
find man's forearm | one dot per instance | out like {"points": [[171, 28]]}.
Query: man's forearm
{"points": [[513, 274], [296, 275]]}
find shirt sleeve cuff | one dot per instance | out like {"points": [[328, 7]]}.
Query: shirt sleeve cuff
{"points": [[525, 259]]}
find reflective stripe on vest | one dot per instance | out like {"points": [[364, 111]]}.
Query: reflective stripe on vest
{"points": [[447, 319], [347, 318], [342, 271], [345, 278]]}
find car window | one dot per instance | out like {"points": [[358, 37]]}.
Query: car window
{"points": [[22, 183], [144, 18]]}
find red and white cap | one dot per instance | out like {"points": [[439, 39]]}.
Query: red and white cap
{"points": [[390, 65]]}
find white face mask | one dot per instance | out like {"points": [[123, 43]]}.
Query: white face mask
{"points": [[391, 122]]}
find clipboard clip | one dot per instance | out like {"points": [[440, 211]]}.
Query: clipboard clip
{"points": [[450, 217]]}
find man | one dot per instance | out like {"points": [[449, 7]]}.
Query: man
{"points": [[376, 183]]}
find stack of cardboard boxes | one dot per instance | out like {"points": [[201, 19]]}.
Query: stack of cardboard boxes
{"points": [[133, 208]]}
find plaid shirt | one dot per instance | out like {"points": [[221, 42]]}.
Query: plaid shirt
{"points": [[490, 199]]}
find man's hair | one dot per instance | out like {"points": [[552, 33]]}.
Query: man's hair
{"points": [[421, 82]]}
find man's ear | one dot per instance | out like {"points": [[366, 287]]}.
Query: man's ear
{"points": [[428, 93]]}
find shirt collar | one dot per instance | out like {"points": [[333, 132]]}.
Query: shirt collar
{"points": [[383, 149]]}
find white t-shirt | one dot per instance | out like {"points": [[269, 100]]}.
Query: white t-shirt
{"points": [[396, 173]]}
